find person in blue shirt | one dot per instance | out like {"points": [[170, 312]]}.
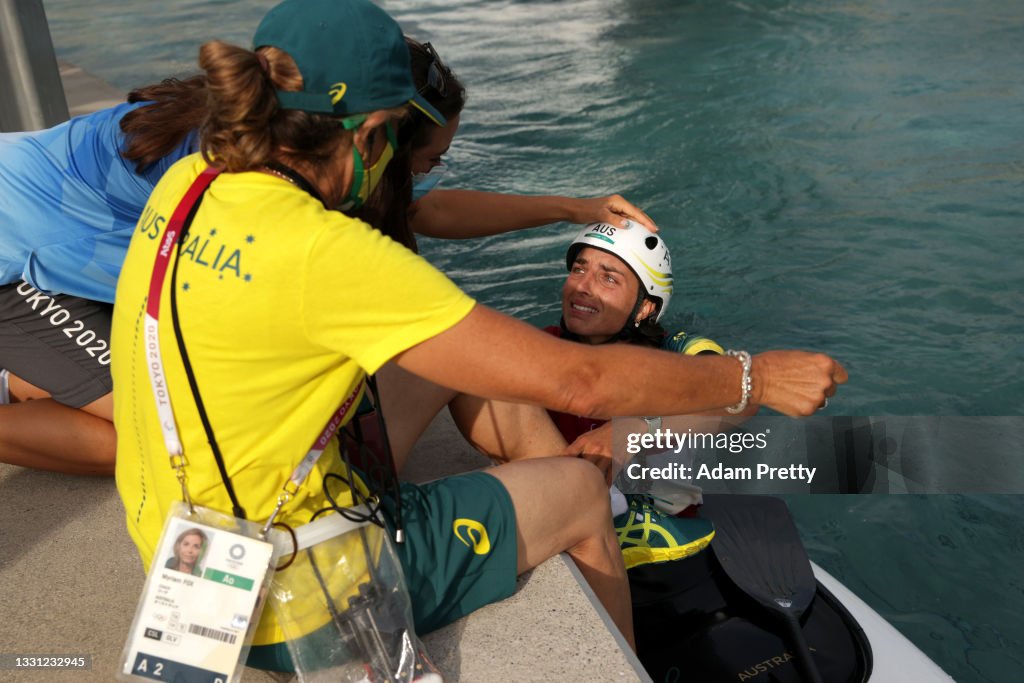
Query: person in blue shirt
{"points": [[70, 199]]}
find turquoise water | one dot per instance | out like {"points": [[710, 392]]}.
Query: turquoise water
{"points": [[844, 176]]}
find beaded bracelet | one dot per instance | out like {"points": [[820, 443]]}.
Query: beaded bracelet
{"points": [[745, 383]]}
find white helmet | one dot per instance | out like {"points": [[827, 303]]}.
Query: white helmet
{"points": [[642, 250]]}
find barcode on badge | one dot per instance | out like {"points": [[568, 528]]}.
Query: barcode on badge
{"points": [[206, 632]]}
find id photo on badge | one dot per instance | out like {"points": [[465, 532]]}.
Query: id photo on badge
{"points": [[188, 552]]}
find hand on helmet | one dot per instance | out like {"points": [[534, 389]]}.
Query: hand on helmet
{"points": [[612, 209]]}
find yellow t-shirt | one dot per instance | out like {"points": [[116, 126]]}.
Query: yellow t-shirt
{"points": [[284, 306]]}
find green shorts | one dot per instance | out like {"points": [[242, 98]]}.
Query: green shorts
{"points": [[460, 553]]}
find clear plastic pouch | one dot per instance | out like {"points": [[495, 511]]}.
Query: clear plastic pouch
{"points": [[344, 607]]}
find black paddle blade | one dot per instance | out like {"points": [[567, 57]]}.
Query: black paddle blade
{"points": [[758, 546]]}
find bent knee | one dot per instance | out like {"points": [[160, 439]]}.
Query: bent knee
{"points": [[587, 482]]}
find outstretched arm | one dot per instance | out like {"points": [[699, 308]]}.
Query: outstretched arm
{"points": [[461, 214], [492, 355]]}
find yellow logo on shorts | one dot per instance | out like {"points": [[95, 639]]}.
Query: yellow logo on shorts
{"points": [[476, 535], [337, 91]]}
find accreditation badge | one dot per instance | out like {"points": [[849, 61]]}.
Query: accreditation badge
{"points": [[202, 600]]}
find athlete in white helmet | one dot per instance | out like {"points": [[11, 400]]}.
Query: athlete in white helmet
{"points": [[618, 289], [643, 251]]}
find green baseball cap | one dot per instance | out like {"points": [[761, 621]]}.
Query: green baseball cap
{"points": [[351, 54]]}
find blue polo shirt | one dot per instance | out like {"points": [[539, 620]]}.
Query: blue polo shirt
{"points": [[69, 203]]}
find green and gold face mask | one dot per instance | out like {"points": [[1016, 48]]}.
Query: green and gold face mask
{"points": [[364, 180]]}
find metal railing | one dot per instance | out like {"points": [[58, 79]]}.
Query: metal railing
{"points": [[31, 92]]}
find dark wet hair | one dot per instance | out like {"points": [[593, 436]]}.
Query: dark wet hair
{"points": [[647, 333]]}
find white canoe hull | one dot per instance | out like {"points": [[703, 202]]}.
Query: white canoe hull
{"points": [[896, 659]]}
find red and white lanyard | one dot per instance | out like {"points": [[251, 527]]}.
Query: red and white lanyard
{"points": [[176, 226]]}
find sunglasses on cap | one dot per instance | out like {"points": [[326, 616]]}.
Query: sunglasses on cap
{"points": [[438, 74]]}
